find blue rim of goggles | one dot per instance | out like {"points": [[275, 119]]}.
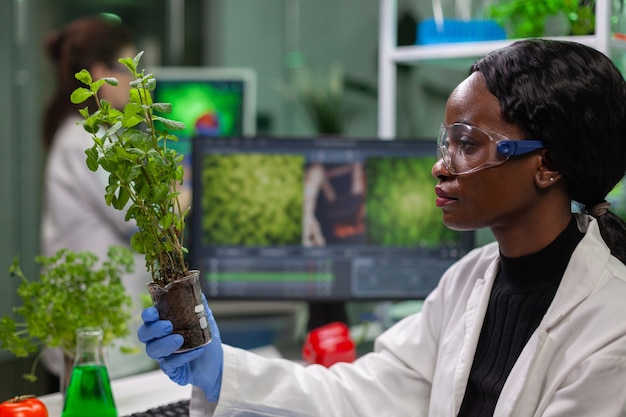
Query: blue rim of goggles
{"points": [[505, 148]]}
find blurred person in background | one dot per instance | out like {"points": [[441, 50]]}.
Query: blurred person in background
{"points": [[75, 214]]}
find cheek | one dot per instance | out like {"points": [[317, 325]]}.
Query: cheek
{"points": [[484, 200]]}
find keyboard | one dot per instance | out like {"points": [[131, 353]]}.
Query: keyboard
{"points": [[175, 409]]}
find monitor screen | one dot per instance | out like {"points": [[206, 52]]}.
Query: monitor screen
{"points": [[212, 101], [617, 198], [318, 219]]}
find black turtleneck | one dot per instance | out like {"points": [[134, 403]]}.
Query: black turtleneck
{"points": [[520, 297]]}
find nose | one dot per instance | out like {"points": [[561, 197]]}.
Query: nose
{"points": [[439, 170]]}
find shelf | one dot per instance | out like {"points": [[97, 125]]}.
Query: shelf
{"points": [[408, 54], [391, 55]]}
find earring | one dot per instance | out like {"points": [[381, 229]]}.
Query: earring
{"points": [[551, 179]]}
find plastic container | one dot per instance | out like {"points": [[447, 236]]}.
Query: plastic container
{"points": [[457, 30], [329, 344], [181, 303]]}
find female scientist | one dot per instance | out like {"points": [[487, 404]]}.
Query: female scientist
{"points": [[533, 324]]}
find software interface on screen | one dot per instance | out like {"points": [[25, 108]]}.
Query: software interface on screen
{"points": [[318, 219]]}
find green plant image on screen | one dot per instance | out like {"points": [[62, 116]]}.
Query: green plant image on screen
{"points": [[214, 110], [400, 203], [254, 200]]}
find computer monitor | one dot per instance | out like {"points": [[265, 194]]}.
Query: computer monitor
{"points": [[617, 198], [214, 101], [318, 219]]}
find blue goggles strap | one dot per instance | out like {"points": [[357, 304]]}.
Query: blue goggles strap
{"points": [[508, 147]]}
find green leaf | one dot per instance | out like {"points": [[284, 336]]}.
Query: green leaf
{"points": [[73, 290], [136, 59], [162, 107], [129, 63], [170, 124], [136, 242], [122, 198], [143, 172], [92, 159], [95, 86], [131, 120], [161, 192], [80, 95], [84, 77], [92, 124], [113, 130]]}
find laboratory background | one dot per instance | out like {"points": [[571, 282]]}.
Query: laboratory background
{"points": [[345, 47]]}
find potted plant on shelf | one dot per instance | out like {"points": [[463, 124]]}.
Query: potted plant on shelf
{"points": [[144, 174], [523, 18], [73, 290]]}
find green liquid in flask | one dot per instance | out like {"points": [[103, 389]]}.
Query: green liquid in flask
{"points": [[89, 393]]}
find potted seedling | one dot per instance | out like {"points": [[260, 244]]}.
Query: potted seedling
{"points": [[144, 174], [74, 290]]}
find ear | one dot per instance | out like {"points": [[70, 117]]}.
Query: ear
{"points": [[546, 175]]}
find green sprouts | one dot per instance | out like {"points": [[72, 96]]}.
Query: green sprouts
{"points": [[144, 174]]}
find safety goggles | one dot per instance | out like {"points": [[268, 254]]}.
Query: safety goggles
{"points": [[465, 149]]}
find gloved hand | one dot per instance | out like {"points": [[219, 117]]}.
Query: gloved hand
{"points": [[201, 367]]}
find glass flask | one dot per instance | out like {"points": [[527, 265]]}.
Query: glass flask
{"points": [[89, 391]]}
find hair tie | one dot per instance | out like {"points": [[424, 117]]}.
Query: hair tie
{"points": [[599, 209]]}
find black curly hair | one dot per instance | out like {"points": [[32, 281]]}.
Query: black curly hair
{"points": [[573, 98]]}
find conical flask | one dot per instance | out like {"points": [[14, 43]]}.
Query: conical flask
{"points": [[89, 391]]}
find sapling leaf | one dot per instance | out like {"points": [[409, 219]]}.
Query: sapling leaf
{"points": [[84, 77], [136, 60], [136, 242], [80, 95], [95, 86], [129, 63], [120, 201], [166, 221], [92, 158], [111, 81], [170, 124], [143, 172], [162, 107], [92, 123], [113, 129], [161, 192], [144, 82], [180, 173]]}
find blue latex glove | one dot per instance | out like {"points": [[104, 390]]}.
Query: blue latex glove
{"points": [[201, 367]]}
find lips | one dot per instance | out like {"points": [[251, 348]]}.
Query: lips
{"points": [[443, 198]]}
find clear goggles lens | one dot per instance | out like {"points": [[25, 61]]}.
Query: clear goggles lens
{"points": [[465, 149]]}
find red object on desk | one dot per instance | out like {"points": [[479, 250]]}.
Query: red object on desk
{"points": [[329, 344]]}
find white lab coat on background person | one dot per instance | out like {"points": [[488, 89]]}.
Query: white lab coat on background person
{"points": [[76, 216], [574, 364]]}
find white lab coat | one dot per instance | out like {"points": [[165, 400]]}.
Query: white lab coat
{"points": [[573, 365], [75, 216]]}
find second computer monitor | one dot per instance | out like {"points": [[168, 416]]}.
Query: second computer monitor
{"points": [[318, 219]]}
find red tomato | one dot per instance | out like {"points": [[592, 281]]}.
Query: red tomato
{"points": [[23, 406]]}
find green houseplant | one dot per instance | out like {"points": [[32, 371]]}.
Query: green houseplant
{"points": [[144, 174], [73, 290], [524, 18]]}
